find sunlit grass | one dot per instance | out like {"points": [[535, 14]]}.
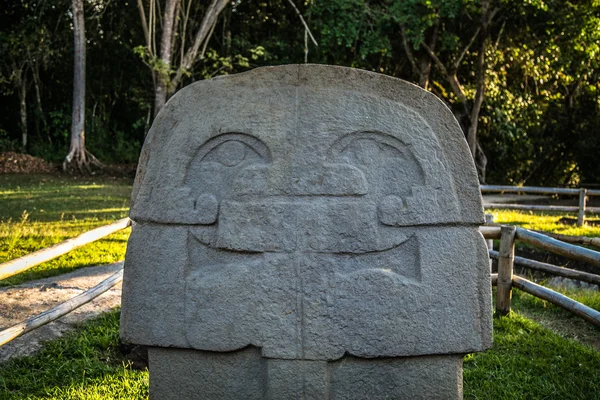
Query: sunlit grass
{"points": [[38, 211], [544, 221]]}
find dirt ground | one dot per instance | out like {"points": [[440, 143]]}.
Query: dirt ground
{"points": [[18, 163], [20, 302]]}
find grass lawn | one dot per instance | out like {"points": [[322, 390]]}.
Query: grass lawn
{"points": [[38, 211], [533, 360], [84, 364]]}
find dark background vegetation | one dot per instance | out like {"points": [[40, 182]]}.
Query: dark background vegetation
{"points": [[539, 123]]}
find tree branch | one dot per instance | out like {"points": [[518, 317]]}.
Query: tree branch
{"points": [[303, 23], [210, 17], [212, 29], [436, 60], [451, 78], [408, 51], [459, 59]]}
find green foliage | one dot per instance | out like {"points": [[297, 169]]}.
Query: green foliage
{"points": [[419, 16], [542, 110], [6, 143], [540, 121]]}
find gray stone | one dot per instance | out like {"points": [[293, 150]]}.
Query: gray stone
{"points": [[326, 217], [245, 375]]}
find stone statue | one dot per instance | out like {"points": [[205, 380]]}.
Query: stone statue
{"points": [[306, 232]]}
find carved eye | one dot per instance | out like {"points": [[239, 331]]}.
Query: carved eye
{"points": [[229, 153], [233, 149]]}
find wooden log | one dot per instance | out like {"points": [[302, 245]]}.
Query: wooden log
{"points": [[581, 211], [587, 313], [494, 278], [505, 269], [527, 207], [552, 269], [527, 189], [580, 240], [593, 192], [489, 220], [490, 232], [21, 264], [58, 311], [558, 247]]}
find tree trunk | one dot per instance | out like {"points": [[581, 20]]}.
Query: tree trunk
{"points": [[21, 84], [202, 35], [78, 155], [425, 60], [166, 53], [164, 84]]}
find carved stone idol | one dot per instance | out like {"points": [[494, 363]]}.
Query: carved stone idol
{"points": [[306, 232]]}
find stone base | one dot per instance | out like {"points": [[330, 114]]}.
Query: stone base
{"points": [[245, 374]]}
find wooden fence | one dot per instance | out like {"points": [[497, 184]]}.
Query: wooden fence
{"points": [[505, 279], [580, 209], [24, 263]]}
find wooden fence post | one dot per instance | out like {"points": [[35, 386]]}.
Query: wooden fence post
{"points": [[505, 269], [489, 220], [582, 201]]}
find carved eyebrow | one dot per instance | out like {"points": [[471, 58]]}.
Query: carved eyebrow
{"points": [[345, 140], [254, 143]]}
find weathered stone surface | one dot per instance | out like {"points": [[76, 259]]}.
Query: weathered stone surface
{"points": [[245, 375], [313, 213]]}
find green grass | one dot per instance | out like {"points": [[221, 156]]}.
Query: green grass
{"points": [[41, 210], [528, 360], [531, 362], [84, 364], [544, 221]]}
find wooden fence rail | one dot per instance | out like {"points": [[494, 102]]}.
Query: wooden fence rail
{"points": [[505, 280], [536, 189], [581, 209], [556, 246], [21, 264], [581, 240], [552, 269], [58, 311], [585, 312]]}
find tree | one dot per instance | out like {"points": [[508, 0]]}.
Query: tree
{"points": [[450, 25], [167, 77], [77, 151]]}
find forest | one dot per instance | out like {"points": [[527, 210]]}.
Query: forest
{"points": [[522, 77]]}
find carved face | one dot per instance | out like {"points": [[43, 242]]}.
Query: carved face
{"points": [[305, 209]]}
